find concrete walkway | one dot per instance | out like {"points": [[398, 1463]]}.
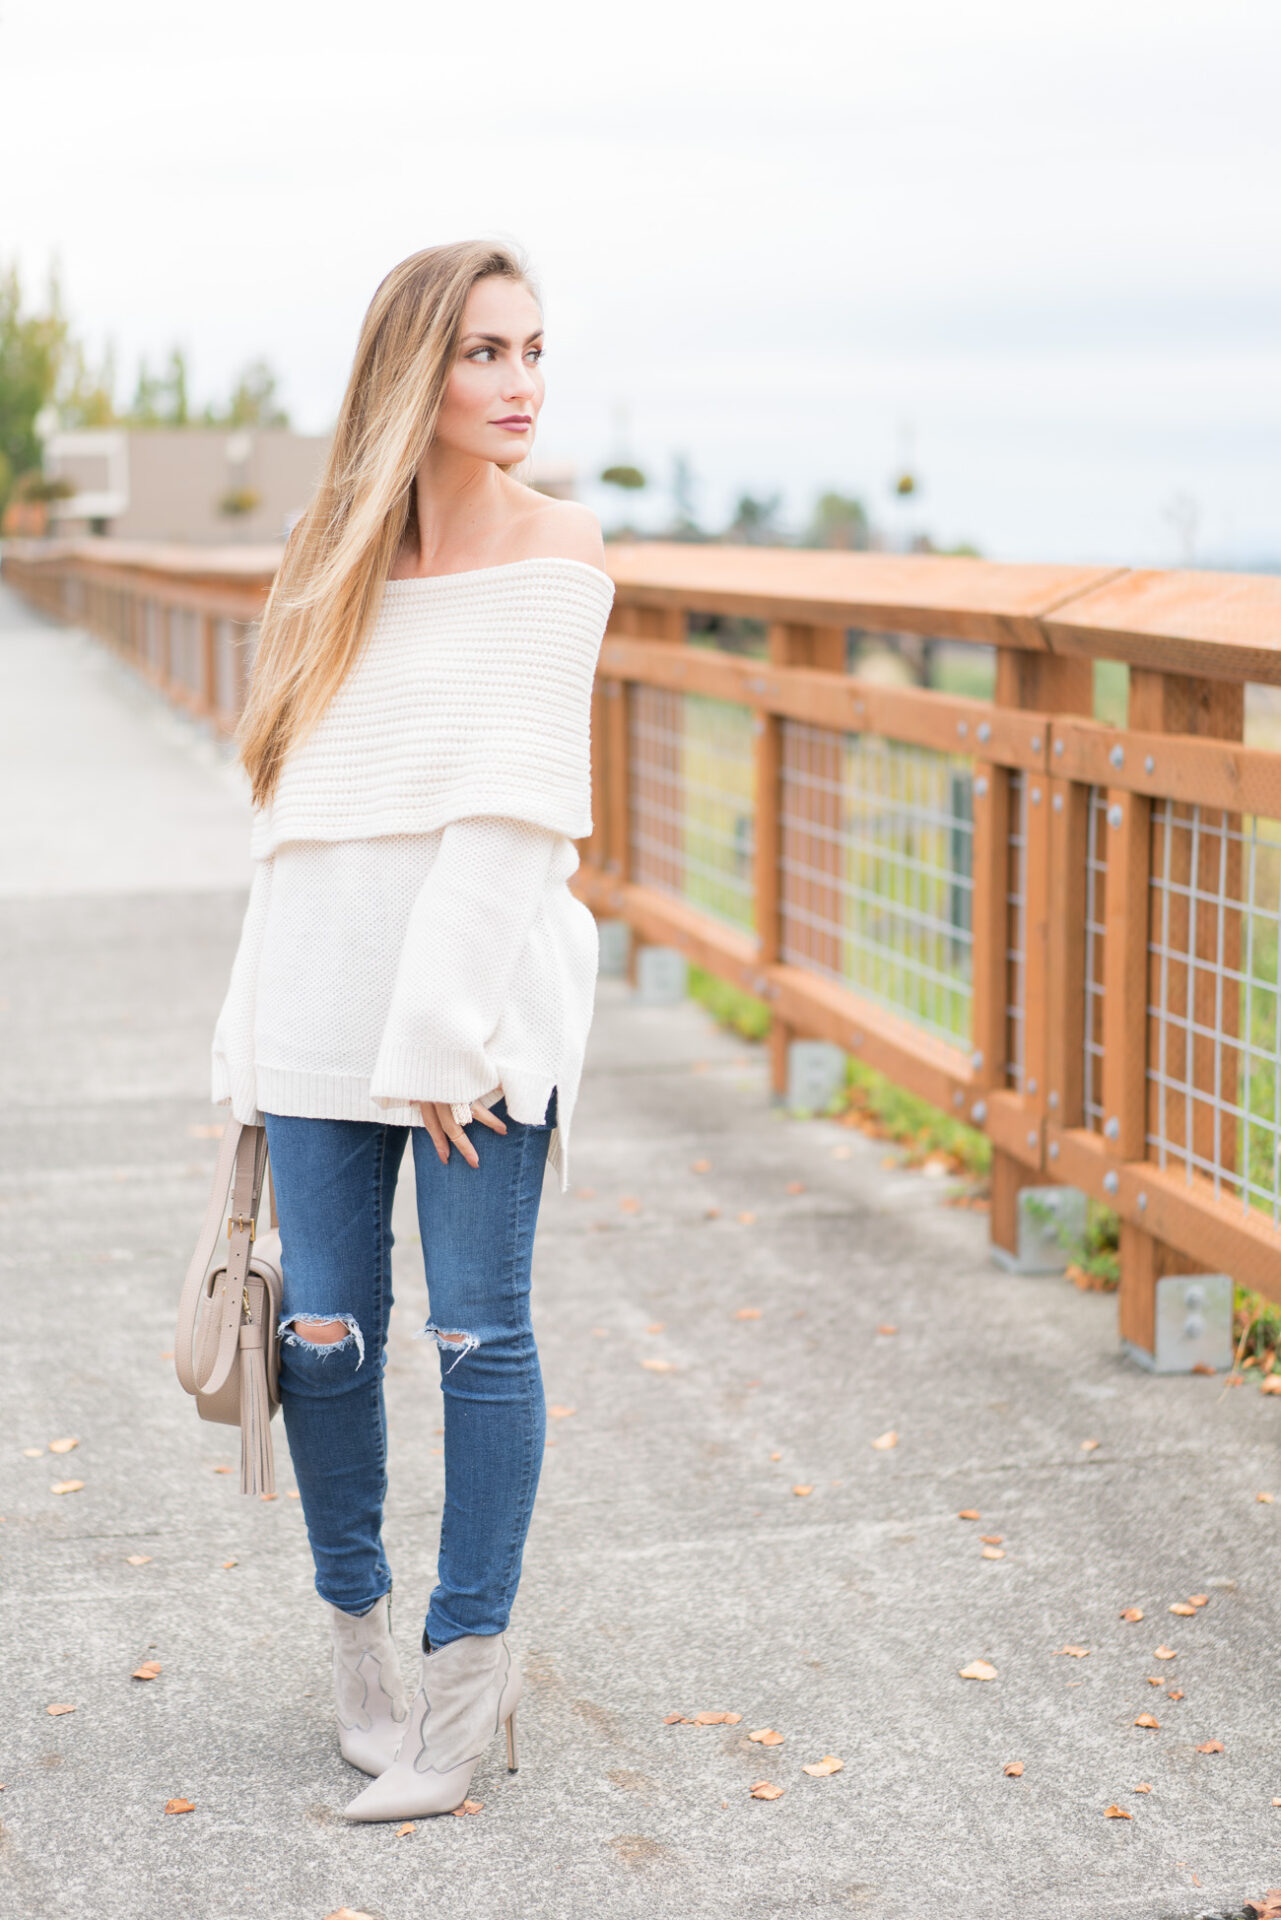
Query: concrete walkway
{"points": [[711, 1339]]}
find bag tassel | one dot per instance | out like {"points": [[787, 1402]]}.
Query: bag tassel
{"points": [[257, 1466]]}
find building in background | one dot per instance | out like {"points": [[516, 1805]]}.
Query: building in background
{"points": [[200, 485]]}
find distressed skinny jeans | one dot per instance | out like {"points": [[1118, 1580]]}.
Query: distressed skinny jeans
{"points": [[335, 1181]]}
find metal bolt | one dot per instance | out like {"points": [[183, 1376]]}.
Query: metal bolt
{"points": [[1031, 1086], [1054, 1150], [1031, 1136], [985, 729], [1115, 816], [1112, 1128], [1036, 743], [958, 1098], [962, 727], [1117, 755], [1058, 746], [978, 1112], [1036, 796], [1053, 1097], [1057, 803], [980, 785], [1149, 764], [1110, 1182], [1142, 1203], [976, 1060]]}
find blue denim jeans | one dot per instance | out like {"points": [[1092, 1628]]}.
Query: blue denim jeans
{"points": [[334, 1182]]}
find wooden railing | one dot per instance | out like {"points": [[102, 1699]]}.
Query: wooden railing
{"points": [[1061, 931]]}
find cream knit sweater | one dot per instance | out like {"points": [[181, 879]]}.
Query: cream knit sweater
{"points": [[410, 934]]}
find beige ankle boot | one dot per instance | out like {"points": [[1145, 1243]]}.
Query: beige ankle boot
{"points": [[368, 1690], [470, 1686]]}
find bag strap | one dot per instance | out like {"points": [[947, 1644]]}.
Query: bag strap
{"points": [[237, 1186]]}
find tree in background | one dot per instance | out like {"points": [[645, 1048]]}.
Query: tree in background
{"points": [[32, 351], [838, 521], [160, 399], [254, 401], [755, 522]]}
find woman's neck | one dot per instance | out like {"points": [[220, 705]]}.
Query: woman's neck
{"points": [[460, 504]]}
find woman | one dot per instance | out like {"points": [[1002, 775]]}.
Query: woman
{"points": [[413, 967]]}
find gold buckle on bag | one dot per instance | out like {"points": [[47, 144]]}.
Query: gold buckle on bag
{"points": [[238, 1220]]}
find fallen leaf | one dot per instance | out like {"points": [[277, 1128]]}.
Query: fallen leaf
{"points": [[66, 1486], [765, 1790], [766, 1737], [1143, 1787], [1090, 1446], [56, 1710], [660, 1366], [977, 1670], [1272, 1384], [1146, 1720], [991, 1539], [1211, 1746], [213, 1132], [1175, 1695], [469, 1806], [747, 1313], [180, 1806], [147, 1671], [407, 1828], [1264, 1499], [1013, 1769], [1155, 1680], [887, 1329], [968, 1513], [712, 1213], [795, 1186], [700, 1166], [1164, 1653], [1183, 1607], [802, 1489], [269, 1496], [992, 1553], [1198, 1599], [293, 1494], [227, 1565], [63, 1446], [828, 1764], [885, 1442], [776, 1456], [709, 1719], [1264, 1906], [33, 1453], [655, 1326], [1077, 1653], [1276, 1801], [222, 1469], [1116, 1813], [1203, 1366], [628, 1204], [747, 1219], [584, 1193], [138, 1560], [673, 1719], [347, 1913], [561, 1413], [840, 1153], [1131, 1613]]}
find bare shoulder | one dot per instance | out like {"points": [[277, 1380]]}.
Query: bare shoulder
{"points": [[559, 530]]}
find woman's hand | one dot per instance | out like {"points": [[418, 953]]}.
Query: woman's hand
{"points": [[440, 1123]]}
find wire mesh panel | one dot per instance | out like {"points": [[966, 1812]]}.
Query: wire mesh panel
{"points": [[1016, 921], [876, 882], [186, 652], [691, 805], [1214, 1089], [1096, 878]]}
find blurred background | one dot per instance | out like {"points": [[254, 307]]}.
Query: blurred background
{"points": [[1000, 278]]}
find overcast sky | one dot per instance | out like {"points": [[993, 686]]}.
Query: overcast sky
{"points": [[1033, 246]]}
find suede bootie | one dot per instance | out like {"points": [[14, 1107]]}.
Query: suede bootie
{"points": [[368, 1690], [470, 1686]]}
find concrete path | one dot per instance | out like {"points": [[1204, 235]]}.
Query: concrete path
{"points": [[672, 1567]]}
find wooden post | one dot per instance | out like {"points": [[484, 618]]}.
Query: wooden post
{"points": [[818, 802], [1183, 703], [208, 664], [1045, 683]]}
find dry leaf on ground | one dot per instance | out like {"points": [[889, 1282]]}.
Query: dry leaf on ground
{"points": [[765, 1790], [137, 1559], [60, 1708], [977, 1670], [1146, 1720], [227, 1565], [885, 1442], [222, 1469], [776, 1456], [63, 1446], [767, 1737], [747, 1219], [1264, 1906], [802, 1490], [828, 1764], [147, 1671], [1184, 1608], [1198, 1599], [407, 1828], [66, 1486], [180, 1806], [1090, 1446], [33, 1453], [700, 1166], [659, 1366], [1211, 1746], [1131, 1613], [747, 1313], [348, 1913], [629, 1204], [655, 1326], [673, 1719], [1143, 1787], [1265, 1499], [991, 1539], [1077, 1653], [708, 1718], [1272, 1384], [1155, 1680], [887, 1329], [1116, 1813], [1013, 1769], [992, 1553], [1164, 1653], [795, 1186], [470, 1806], [561, 1413], [968, 1513], [1176, 1693]]}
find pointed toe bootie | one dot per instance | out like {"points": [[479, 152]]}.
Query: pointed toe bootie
{"points": [[368, 1690], [470, 1686]]}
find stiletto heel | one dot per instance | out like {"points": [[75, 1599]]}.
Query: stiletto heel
{"points": [[511, 1741]]}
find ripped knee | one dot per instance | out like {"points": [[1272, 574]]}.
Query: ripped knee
{"points": [[324, 1337], [457, 1343]]}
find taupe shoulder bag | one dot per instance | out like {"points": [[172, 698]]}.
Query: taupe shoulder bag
{"points": [[227, 1350]]}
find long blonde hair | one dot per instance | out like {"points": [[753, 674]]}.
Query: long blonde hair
{"points": [[328, 588]]}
